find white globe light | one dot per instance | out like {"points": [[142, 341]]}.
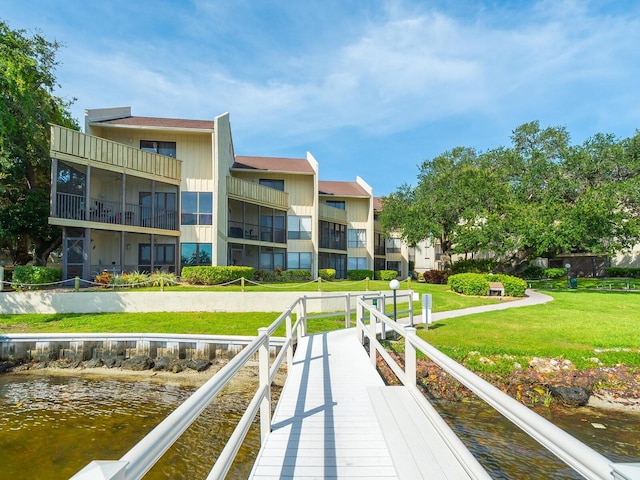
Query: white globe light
{"points": [[394, 284]]}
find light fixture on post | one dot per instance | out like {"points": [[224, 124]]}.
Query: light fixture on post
{"points": [[394, 285]]}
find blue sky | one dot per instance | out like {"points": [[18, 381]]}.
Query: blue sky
{"points": [[370, 88]]}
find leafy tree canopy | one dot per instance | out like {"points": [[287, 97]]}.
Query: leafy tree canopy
{"points": [[27, 106], [541, 196]]}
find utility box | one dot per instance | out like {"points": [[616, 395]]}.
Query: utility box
{"points": [[426, 309]]}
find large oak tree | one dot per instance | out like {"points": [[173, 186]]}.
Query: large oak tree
{"points": [[541, 196], [27, 105]]}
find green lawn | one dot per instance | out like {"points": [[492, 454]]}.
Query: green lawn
{"points": [[574, 326], [578, 325]]}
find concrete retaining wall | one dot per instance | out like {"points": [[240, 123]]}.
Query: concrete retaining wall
{"points": [[97, 302]]}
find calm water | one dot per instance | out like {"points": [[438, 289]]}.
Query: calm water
{"points": [[51, 427]]}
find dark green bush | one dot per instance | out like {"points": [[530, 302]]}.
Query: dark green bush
{"points": [[533, 272], [474, 265], [327, 274], [34, 278], [386, 275], [207, 275], [627, 272], [438, 277], [359, 274], [296, 275], [278, 275], [555, 272], [469, 283], [513, 286]]}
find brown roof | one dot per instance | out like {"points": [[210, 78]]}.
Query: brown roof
{"points": [[341, 189], [377, 204], [293, 165], [161, 122]]}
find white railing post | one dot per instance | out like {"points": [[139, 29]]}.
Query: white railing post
{"points": [[289, 339], [382, 307], [302, 325], [347, 311], [102, 470], [263, 375], [410, 357], [411, 305], [359, 320], [372, 338]]}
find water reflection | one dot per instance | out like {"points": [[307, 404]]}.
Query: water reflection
{"points": [[51, 427]]}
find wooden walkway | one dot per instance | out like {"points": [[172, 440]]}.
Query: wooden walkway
{"points": [[331, 422]]}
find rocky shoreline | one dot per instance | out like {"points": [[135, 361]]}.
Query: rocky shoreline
{"points": [[545, 382]]}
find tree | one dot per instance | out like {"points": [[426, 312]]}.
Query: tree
{"points": [[27, 106], [540, 197]]}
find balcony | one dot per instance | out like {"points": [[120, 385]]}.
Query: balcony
{"points": [[74, 207], [255, 193], [332, 214]]}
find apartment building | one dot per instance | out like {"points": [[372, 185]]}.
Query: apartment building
{"points": [[146, 193]]}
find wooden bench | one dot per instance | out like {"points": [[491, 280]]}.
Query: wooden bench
{"points": [[496, 288], [421, 445]]}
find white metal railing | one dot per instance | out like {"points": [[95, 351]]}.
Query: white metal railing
{"points": [[141, 458], [577, 455]]}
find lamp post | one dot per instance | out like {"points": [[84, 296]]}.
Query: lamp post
{"points": [[568, 267], [394, 285]]}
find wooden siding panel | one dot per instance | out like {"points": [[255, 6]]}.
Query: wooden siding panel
{"points": [[254, 192]]}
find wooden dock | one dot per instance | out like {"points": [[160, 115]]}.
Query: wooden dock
{"points": [[336, 419]]}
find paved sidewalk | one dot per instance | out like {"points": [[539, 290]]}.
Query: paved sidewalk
{"points": [[532, 298]]}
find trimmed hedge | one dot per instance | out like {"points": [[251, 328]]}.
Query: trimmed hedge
{"points": [[478, 284], [386, 275], [627, 272], [34, 277], [469, 283], [555, 272], [327, 274], [359, 274], [282, 276], [208, 275]]}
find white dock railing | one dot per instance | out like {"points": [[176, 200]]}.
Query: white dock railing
{"points": [[141, 458], [583, 459]]}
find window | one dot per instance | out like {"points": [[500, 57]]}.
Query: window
{"points": [[378, 245], [272, 183], [163, 148], [164, 258], [394, 266], [197, 208], [164, 210], [336, 204], [357, 263], [193, 254], [394, 245], [299, 228], [272, 258], [378, 264], [333, 236], [357, 238], [336, 261], [299, 261]]}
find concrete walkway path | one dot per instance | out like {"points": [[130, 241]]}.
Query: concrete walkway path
{"points": [[532, 298]]}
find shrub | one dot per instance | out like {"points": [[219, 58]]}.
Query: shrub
{"points": [[207, 275], [156, 277], [533, 272], [328, 274], [359, 274], [623, 272], [473, 265], [469, 283], [296, 275], [387, 275], [438, 277], [555, 272], [513, 286], [104, 278], [34, 278]]}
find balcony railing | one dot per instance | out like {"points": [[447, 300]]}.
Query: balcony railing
{"points": [[67, 144], [250, 231], [73, 207], [325, 212], [257, 193]]}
